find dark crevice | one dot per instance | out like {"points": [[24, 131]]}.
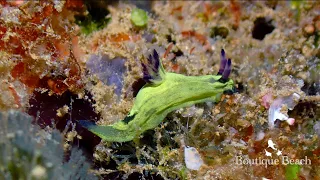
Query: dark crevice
{"points": [[177, 54], [137, 85], [43, 107], [96, 18], [306, 109], [97, 9], [311, 89], [240, 88], [261, 28], [170, 40]]}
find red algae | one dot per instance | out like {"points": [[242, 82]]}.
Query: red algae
{"points": [[201, 38], [236, 11], [38, 37], [23, 73]]}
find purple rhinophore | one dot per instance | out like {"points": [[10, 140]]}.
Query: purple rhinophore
{"points": [[150, 59], [222, 62], [144, 69], [156, 60], [225, 67], [146, 75], [227, 70]]}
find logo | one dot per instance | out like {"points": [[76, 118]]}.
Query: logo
{"points": [[268, 160]]}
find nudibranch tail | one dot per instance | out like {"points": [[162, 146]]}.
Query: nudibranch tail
{"points": [[152, 69], [108, 133]]}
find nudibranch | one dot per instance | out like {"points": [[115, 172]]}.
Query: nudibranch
{"points": [[164, 93]]}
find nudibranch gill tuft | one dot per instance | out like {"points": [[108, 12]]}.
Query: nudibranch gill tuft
{"points": [[164, 93]]}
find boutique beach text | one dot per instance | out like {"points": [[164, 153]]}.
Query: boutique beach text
{"points": [[283, 160]]}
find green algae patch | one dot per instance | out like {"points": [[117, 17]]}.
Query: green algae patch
{"points": [[88, 25], [139, 17], [292, 172]]}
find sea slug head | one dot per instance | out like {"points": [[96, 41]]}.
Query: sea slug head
{"points": [[223, 75]]}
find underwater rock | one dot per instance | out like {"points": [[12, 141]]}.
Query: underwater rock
{"points": [[192, 158], [276, 109]]}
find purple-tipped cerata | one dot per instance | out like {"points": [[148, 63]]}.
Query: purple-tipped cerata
{"points": [[223, 62], [150, 68], [146, 75], [156, 60]]}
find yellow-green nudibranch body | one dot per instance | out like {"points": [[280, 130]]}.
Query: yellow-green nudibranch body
{"points": [[163, 93]]}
